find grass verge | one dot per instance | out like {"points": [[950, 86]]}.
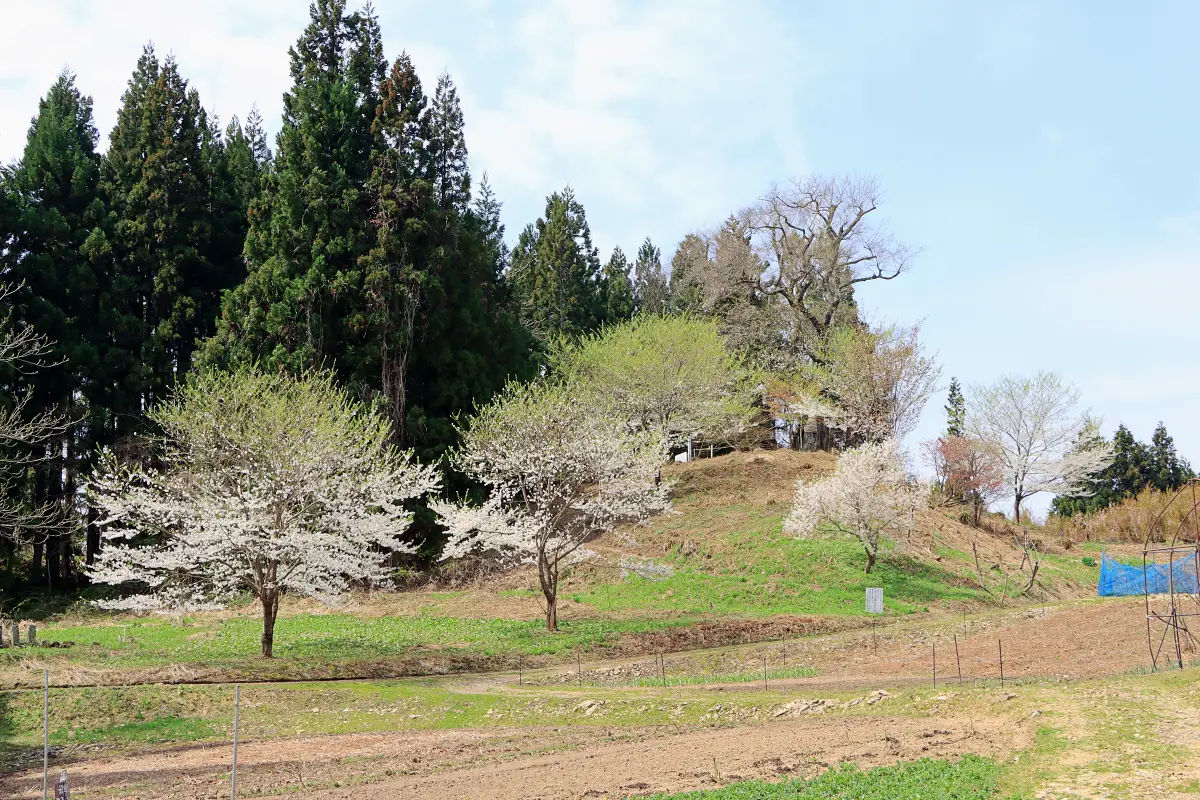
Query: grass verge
{"points": [[970, 778]]}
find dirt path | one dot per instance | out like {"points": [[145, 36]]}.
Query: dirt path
{"points": [[523, 764]]}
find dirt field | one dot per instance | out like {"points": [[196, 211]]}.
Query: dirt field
{"points": [[1074, 640], [537, 763]]}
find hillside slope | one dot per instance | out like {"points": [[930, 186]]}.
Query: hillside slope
{"points": [[724, 551], [717, 570]]}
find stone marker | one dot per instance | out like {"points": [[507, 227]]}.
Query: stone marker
{"points": [[16, 629], [32, 634], [874, 601]]}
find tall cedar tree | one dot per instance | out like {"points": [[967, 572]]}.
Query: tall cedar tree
{"points": [[616, 289], [58, 254], [555, 271], [364, 254], [1167, 470], [956, 410], [446, 166], [650, 286], [248, 158], [1135, 467], [469, 343], [312, 226], [684, 287], [393, 269], [176, 231]]}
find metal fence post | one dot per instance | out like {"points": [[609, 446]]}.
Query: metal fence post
{"points": [[237, 704], [45, 734]]}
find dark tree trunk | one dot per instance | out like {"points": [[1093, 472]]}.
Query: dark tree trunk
{"points": [[36, 574], [92, 547], [870, 562], [548, 578], [53, 562], [270, 604]]}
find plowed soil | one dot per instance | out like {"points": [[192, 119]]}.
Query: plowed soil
{"points": [[533, 763]]}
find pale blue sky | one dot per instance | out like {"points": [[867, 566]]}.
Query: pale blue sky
{"points": [[1042, 156]]}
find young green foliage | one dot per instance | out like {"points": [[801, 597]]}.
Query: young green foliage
{"points": [[670, 375]]}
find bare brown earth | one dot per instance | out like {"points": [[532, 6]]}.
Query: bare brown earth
{"points": [[523, 764], [1085, 639]]}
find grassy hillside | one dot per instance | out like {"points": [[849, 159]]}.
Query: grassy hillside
{"points": [[720, 561]]}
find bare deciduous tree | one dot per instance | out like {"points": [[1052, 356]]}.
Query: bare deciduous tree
{"points": [[25, 438], [1034, 424], [817, 239], [880, 379]]}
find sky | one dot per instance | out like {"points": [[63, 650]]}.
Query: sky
{"points": [[1042, 157]]}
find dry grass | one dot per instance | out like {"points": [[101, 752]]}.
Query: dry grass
{"points": [[758, 477], [1158, 516]]}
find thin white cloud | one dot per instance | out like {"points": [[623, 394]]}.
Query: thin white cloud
{"points": [[664, 117], [234, 54], [652, 109]]}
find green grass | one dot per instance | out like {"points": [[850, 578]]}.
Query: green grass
{"points": [[319, 637], [971, 778], [118, 717], [759, 570], [730, 560], [750, 568], [154, 731]]}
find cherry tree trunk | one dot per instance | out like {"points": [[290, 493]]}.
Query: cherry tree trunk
{"points": [[270, 604], [551, 611]]}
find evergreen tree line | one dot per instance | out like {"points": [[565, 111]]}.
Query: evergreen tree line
{"points": [[1136, 467], [119, 260], [359, 245]]}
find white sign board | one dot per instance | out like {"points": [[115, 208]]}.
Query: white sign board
{"points": [[874, 601]]}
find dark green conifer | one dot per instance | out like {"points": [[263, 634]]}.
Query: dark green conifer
{"points": [[1167, 471], [617, 301], [555, 271], [447, 148], [649, 283], [956, 410], [684, 289], [57, 254], [176, 225], [311, 227]]}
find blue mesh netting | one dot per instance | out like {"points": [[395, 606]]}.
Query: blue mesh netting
{"points": [[1125, 579]]}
